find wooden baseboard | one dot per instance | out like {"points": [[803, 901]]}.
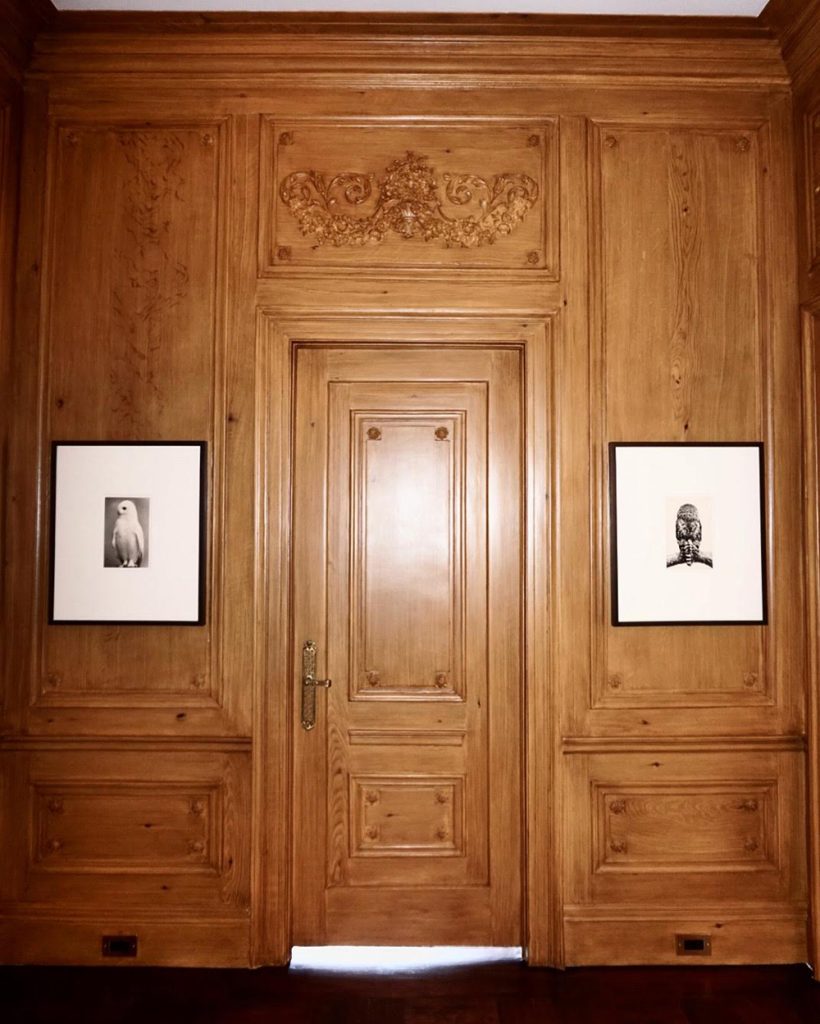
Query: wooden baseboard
{"points": [[765, 936], [78, 941]]}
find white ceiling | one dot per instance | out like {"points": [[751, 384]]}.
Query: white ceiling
{"points": [[708, 8]]}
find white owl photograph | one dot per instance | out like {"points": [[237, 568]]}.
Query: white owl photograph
{"points": [[126, 533], [138, 506]]}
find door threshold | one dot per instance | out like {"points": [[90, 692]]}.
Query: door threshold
{"points": [[392, 959]]}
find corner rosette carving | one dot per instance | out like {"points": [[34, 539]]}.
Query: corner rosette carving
{"points": [[407, 201]]}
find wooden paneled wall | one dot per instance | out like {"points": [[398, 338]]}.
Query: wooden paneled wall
{"points": [[167, 270], [18, 26], [798, 27]]}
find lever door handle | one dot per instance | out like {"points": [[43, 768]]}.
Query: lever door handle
{"points": [[309, 684]]}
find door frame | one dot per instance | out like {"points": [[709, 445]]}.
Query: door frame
{"points": [[279, 335]]}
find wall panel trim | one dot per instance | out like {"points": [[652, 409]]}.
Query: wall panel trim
{"points": [[700, 744], [278, 336]]}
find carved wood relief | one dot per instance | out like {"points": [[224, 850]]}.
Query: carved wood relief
{"points": [[408, 201], [381, 196]]}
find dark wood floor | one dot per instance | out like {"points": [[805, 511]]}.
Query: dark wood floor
{"points": [[492, 994]]}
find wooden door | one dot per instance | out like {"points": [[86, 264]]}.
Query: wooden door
{"points": [[407, 576]]}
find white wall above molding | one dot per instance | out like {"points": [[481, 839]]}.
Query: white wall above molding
{"points": [[678, 8]]}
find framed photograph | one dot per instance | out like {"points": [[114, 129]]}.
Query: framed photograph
{"points": [[128, 532], [687, 534]]}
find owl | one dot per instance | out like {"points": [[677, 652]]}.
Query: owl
{"points": [[128, 539]]}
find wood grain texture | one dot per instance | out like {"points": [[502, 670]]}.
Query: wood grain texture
{"points": [[153, 299], [776, 937], [811, 384], [443, 333], [796, 24], [9, 171], [407, 461], [695, 319], [145, 224], [72, 940], [20, 21], [645, 48], [666, 282], [798, 28], [719, 824], [120, 829]]}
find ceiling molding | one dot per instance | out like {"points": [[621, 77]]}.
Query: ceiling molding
{"points": [[797, 25], [642, 8], [408, 51]]}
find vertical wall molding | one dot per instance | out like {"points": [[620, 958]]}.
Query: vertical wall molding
{"points": [[811, 389]]}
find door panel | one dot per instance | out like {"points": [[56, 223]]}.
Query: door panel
{"points": [[407, 561]]}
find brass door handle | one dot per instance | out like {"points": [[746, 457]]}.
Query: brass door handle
{"points": [[309, 684]]}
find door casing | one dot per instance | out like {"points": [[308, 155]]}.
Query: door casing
{"points": [[279, 337]]}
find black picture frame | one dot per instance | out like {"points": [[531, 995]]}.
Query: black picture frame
{"points": [[692, 588], [164, 583]]}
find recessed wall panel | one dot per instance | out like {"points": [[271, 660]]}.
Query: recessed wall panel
{"points": [[679, 211], [132, 353]]}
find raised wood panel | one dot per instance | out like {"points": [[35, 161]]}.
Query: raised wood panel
{"points": [[731, 826], [680, 829], [412, 816], [414, 533], [409, 196], [141, 223], [138, 829], [678, 211], [138, 210], [128, 828]]}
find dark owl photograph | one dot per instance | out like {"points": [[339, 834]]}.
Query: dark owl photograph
{"points": [[691, 544]]}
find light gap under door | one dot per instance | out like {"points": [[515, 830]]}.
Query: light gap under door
{"points": [[392, 959]]}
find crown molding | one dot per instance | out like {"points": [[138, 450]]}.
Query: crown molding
{"points": [[20, 22], [796, 23], [205, 46]]}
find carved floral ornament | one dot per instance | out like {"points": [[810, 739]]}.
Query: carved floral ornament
{"points": [[407, 201]]}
